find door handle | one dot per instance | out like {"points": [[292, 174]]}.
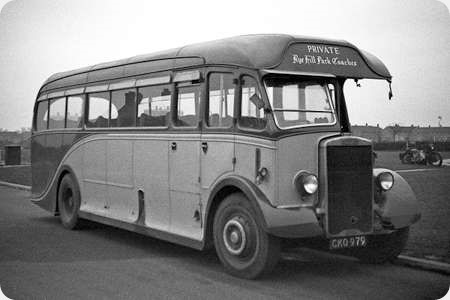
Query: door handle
{"points": [[205, 147], [173, 146]]}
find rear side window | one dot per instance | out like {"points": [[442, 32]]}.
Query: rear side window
{"points": [[42, 115], [98, 110], [74, 111], [57, 113], [221, 100], [252, 111], [123, 108], [187, 106], [153, 106]]}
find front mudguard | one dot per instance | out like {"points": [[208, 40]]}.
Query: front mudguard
{"points": [[282, 222], [399, 206]]}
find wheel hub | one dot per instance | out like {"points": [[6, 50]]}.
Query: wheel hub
{"points": [[234, 236], [68, 200]]}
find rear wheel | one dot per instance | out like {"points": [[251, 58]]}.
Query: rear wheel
{"points": [[242, 245], [69, 202], [406, 159], [384, 247]]}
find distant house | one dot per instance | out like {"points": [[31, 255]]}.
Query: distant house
{"points": [[373, 133], [402, 133], [435, 134], [15, 138]]}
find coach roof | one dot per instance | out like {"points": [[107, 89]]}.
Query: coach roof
{"points": [[262, 51]]}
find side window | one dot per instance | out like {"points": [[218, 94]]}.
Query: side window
{"points": [[98, 110], [187, 106], [123, 108], [57, 113], [153, 105], [221, 100], [74, 111], [252, 111], [42, 115]]}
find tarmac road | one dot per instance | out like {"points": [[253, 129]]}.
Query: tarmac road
{"points": [[41, 260]]}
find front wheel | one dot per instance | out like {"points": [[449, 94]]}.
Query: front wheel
{"points": [[435, 159], [69, 202], [243, 247], [384, 247]]}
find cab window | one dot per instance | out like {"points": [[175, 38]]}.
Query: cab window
{"points": [[297, 102], [252, 108]]}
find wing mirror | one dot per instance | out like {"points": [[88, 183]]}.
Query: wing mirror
{"points": [[390, 94], [259, 103]]}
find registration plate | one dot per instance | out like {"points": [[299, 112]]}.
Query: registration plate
{"points": [[348, 242]]}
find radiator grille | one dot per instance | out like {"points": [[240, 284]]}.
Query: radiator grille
{"points": [[349, 171]]}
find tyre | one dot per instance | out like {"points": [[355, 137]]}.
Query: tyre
{"points": [[242, 245], [406, 159], [69, 202], [384, 247], [435, 159]]}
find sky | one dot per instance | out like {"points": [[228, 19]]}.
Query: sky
{"points": [[412, 37]]}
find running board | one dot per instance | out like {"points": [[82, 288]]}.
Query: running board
{"points": [[155, 233]]}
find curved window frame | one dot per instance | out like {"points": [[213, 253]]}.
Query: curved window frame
{"points": [[333, 105], [38, 103]]}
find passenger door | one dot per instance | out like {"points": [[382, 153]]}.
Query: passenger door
{"points": [[123, 201], [184, 163], [151, 155], [217, 155]]}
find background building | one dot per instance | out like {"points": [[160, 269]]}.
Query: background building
{"points": [[405, 134]]}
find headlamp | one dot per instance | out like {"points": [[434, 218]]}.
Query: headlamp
{"points": [[385, 181]]}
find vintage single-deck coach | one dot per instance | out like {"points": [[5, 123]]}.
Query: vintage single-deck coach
{"points": [[238, 143]]}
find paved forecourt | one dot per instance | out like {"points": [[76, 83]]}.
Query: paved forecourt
{"points": [[40, 259]]}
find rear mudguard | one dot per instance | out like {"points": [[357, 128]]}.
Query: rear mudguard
{"points": [[399, 206], [48, 200]]}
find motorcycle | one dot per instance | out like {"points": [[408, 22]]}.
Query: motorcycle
{"points": [[421, 156]]}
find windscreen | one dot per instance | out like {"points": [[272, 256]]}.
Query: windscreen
{"points": [[297, 102]]}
